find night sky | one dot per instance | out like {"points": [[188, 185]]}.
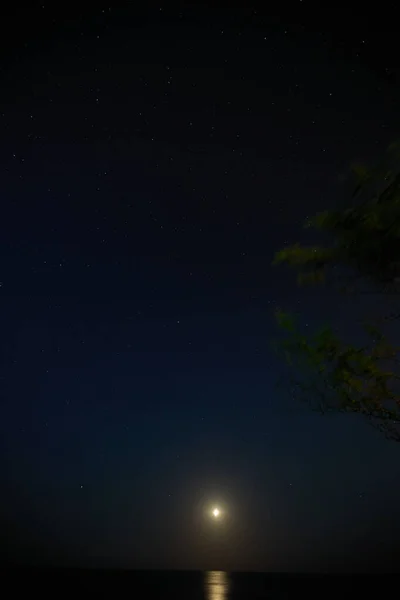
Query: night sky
{"points": [[152, 161]]}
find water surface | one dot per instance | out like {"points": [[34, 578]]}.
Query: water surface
{"points": [[188, 585]]}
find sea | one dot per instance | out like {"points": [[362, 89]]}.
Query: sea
{"points": [[188, 585]]}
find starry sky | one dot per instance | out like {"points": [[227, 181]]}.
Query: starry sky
{"points": [[152, 161]]}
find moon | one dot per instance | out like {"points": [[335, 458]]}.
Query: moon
{"points": [[216, 513]]}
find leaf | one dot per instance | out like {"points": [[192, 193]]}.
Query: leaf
{"points": [[285, 320], [362, 238]]}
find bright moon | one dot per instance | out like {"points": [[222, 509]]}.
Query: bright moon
{"points": [[216, 512]]}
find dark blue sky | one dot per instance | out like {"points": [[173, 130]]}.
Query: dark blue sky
{"points": [[151, 164]]}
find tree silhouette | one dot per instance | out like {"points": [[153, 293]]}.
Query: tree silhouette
{"points": [[364, 249]]}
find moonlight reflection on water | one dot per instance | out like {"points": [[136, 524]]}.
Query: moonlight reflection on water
{"points": [[216, 585]]}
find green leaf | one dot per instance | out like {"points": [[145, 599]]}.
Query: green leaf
{"points": [[285, 320]]}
